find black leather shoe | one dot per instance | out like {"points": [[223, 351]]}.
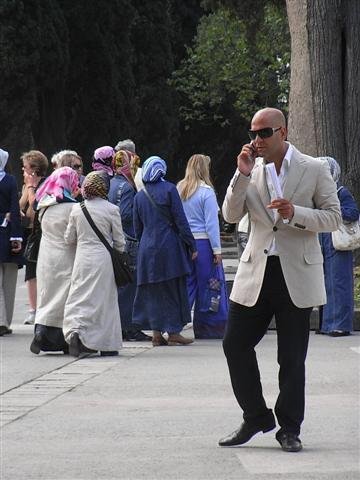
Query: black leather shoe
{"points": [[111, 353], [6, 330], [244, 433], [35, 346], [339, 333], [76, 347], [289, 442], [135, 336]]}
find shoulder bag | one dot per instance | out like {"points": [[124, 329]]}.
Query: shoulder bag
{"points": [[347, 237], [120, 260], [31, 250]]}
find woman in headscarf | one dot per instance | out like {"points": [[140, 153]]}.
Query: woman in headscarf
{"points": [[202, 210], [10, 244], [122, 193], [92, 319], [102, 162], [336, 317], [54, 201], [163, 231]]}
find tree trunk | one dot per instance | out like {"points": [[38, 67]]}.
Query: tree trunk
{"points": [[325, 82], [301, 115]]}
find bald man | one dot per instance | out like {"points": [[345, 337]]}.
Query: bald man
{"points": [[280, 273]]}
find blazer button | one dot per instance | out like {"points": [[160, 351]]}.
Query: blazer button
{"points": [[275, 229], [266, 251]]}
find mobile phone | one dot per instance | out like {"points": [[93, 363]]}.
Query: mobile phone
{"points": [[253, 151]]}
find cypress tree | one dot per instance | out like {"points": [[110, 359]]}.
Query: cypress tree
{"points": [[99, 103]]}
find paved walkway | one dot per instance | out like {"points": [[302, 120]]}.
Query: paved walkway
{"points": [[157, 413]]}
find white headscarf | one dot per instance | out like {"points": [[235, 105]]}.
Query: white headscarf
{"points": [[335, 169], [3, 160]]}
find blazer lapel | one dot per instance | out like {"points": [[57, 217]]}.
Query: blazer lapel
{"points": [[263, 190], [296, 171]]}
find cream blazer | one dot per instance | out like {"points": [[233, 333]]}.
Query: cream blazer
{"points": [[311, 189]]}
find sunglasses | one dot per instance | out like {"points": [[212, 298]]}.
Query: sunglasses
{"points": [[76, 167], [263, 132]]}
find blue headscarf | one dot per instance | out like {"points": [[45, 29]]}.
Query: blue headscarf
{"points": [[153, 169], [335, 169]]}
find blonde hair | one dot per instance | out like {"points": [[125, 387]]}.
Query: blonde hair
{"points": [[65, 158], [197, 171]]}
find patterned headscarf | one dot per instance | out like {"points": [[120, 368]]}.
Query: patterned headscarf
{"points": [[153, 169], [96, 184], [62, 179], [335, 169], [103, 157], [123, 163], [3, 160]]}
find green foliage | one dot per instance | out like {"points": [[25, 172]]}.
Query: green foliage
{"points": [[225, 68], [100, 83], [357, 286]]}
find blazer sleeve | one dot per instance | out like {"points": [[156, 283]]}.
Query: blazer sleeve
{"points": [[234, 206], [326, 215]]}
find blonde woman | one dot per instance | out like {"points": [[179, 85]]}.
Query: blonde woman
{"points": [[201, 210]]}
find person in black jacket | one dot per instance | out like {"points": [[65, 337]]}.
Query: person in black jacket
{"points": [[10, 244]]}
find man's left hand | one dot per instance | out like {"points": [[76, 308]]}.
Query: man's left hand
{"points": [[284, 207]]}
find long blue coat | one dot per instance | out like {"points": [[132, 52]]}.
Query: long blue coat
{"points": [[122, 194], [162, 254], [338, 312], [9, 202]]}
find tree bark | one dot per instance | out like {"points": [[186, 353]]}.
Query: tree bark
{"points": [[325, 82], [301, 116]]}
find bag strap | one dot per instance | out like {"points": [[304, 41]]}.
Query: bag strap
{"points": [[156, 206], [94, 227], [167, 217]]}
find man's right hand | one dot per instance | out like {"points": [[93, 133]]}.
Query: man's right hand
{"points": [[246, 159]]}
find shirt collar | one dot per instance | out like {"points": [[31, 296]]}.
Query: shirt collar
{"points": [[288, 155]]}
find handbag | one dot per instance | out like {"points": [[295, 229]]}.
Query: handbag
{"points": [[31, 250], [347, 237], [120, 260], [210, 301]]}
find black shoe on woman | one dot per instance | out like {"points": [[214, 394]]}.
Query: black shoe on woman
{"points": [[35, 346]]}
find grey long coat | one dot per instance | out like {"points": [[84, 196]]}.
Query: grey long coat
{"points": [[92, 308]]}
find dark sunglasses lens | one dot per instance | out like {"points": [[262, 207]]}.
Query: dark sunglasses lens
{"points": [[263, 133], [76, 167]]}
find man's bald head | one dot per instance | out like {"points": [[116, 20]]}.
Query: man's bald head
{"points": [[273, 116]]}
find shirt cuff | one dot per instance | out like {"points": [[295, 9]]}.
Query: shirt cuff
{"points": [[16, 239]]}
